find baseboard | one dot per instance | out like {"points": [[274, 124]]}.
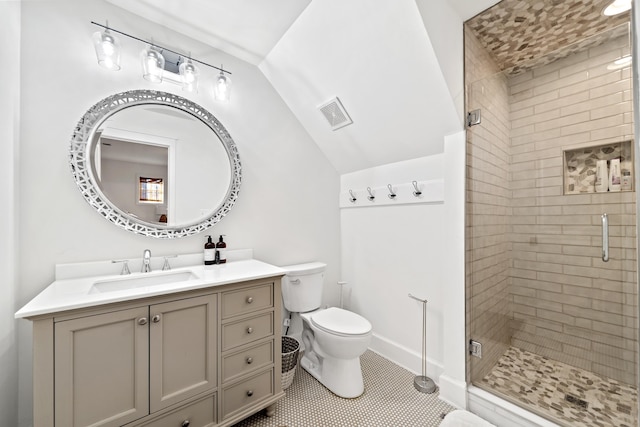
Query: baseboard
{"points": [[405, 357], [453, 392]]}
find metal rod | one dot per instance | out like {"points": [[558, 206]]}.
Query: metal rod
{"points": [[161, 47], [418, 299], [423, 383], [605, 237]]}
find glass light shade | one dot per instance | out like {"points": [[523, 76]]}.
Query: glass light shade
{"points": [[107, 50], [616, 7], [152, 65], [189, 76], [222, 88]]}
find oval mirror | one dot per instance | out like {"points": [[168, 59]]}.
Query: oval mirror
{"points": [[155, 163]]}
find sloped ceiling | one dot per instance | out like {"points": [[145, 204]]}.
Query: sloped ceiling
{"points": [[246, 29], [375, 55]]}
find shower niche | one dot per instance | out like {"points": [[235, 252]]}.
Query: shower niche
{"points": [[580, 167]]}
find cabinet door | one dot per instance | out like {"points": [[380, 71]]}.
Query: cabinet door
{"points": [[102, 369], [182, 350]]}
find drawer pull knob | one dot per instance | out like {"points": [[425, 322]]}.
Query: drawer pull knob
{"points": [[156, 318], [250, 393], [249, 330], [142, 321], [249, 300], [185, 423], [249, 360]]}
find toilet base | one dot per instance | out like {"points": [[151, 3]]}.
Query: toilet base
{"points": [[343, 377]]}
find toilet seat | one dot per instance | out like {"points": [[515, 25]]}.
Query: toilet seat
{"points": [[337, 321]]}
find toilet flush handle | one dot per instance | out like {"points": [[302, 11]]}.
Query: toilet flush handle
{"points": [[295, 281]]}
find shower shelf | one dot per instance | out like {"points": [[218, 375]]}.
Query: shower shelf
{"points": [[579, 165]]}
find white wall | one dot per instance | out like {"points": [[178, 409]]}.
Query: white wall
{"points": [[286, 210], [393, 250], [9, 136]]}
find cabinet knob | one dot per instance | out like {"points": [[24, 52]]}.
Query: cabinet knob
{"points": [[249, 360], [249, 330], [249, 300], [185, 423], [250, 393], [156, 318], [142, 321]]}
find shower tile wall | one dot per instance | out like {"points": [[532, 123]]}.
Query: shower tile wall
{"points": [[488, 209], [568, 304]]}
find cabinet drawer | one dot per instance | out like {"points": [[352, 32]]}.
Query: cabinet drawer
{"points": [[199, 414], [246, 361], [247, 330], [247, 393], [247, 300]]}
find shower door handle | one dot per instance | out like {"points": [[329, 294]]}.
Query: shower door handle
{"points": [[605, 237]]}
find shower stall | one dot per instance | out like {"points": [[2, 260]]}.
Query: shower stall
{"points": [[551, 263]]}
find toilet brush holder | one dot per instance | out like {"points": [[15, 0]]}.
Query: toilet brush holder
{"points": [[422, 383]]}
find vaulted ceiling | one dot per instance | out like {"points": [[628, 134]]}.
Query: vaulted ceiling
{"points": [[382, 58]]}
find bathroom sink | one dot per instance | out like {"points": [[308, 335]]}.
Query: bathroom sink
{"points": [[141, 280]]}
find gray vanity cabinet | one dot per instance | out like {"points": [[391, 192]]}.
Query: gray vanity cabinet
{"points": [[117, 367], [202, 358], [102, 369]]}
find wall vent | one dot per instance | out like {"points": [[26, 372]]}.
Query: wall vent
{"points": [[335, 114]]}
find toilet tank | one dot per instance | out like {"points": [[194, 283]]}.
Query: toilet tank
{"points": [[302, 286]]}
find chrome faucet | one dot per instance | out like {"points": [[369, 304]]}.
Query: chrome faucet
{"points": [[146, 261]]}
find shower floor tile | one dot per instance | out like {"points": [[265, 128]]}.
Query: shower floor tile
{"points": [[543, 386]]}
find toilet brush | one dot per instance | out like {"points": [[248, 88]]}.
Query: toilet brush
{"points": [[422, 383]]}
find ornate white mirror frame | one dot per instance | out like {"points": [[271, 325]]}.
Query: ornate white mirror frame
{"points": [[80, 153]]}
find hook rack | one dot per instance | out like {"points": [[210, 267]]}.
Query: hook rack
{"points": [[371, 196], [409, 192], [392, 194]]}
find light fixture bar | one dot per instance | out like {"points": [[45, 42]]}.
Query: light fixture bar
{"points": [[160, 47]]}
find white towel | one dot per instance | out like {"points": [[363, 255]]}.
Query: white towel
{"points": [[460, 418]]}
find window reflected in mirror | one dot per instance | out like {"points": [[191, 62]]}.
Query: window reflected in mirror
{"points": [[150, 190]]}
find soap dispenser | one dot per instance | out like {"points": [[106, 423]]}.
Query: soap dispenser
{"points": [[209, 252], [221, 249]]}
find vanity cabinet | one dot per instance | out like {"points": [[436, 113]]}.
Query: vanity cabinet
{"points": [[116, 367], [208, 357]]}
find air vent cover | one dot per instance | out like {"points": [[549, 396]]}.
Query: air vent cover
{"points": [[335, 114]]}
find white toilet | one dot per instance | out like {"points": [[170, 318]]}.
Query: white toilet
{"points": [[333, 338]]}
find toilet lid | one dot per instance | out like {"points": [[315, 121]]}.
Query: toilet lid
{"points": [[338, 321]]}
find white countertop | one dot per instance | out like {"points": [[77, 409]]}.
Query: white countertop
{"points": [[73, 293]]}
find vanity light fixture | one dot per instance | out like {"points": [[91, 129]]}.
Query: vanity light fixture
{"points": [[154, 65], [222, 87], [617, 7], [189, 76], [107, 49]]}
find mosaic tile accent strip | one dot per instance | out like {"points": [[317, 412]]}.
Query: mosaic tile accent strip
{"points": [[389, 400], [567, 395], [523, 35]]}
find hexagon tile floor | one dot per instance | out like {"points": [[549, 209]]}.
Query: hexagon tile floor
{"points": [[389, 400]]}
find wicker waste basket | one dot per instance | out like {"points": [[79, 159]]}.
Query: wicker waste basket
{"points": [[290, 349]]}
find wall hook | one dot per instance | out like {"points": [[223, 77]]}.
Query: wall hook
{"points": [[391, 194], [352, 199], [371, 196], [417, 191]]}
